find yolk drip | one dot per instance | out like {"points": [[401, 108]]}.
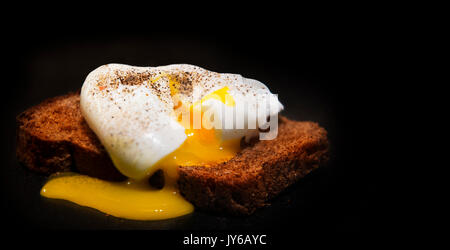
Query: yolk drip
{"points": [[130, 199], [204, 147], [137, 199]]}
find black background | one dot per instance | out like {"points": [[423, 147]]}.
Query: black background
{"points": [[319, 67]]}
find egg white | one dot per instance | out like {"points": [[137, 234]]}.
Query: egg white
{"points": [[137, 126]]}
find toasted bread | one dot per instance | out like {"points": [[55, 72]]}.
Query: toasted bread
{"points": [[54, 137]]}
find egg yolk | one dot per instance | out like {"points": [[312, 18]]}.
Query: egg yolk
{"points": [[137, 200]]}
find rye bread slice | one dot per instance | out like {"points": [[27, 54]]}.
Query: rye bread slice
{"points": [[259, 172], [54, 137]]}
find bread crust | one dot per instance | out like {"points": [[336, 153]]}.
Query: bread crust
{"points": [[54, 137]]}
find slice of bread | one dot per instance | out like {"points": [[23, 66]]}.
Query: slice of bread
{"points": [[54, 137]]}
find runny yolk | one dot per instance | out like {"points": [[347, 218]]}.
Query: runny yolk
{"points": [[137, 200]]}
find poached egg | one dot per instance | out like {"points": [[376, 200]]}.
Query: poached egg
{"points": [[151, 118]]}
